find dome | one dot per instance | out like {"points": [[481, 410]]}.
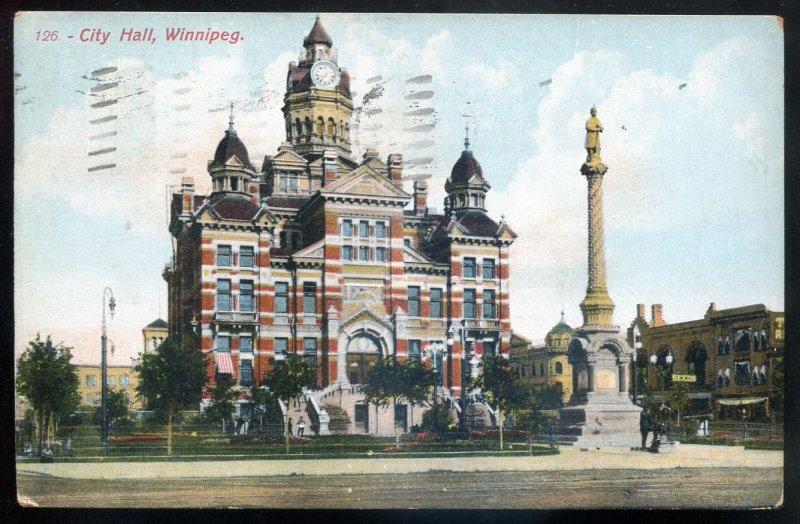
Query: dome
{"points": [[464, 168], [229, 146], [318, 35], [562, 328]]}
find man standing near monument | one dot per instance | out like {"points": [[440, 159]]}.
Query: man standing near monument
{"points": [[645, 426]]}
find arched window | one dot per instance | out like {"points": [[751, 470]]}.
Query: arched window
{"points": [[474, 200], [763, 339], [755, 341], [720, 346], [696, 357], [533, 370], [559, 368], [308, 128], [727, 346], [727, 377], [541, 369], [347, 130], [331, 127], [763, 374], [720, 378], [319, 126], [298, 127]]}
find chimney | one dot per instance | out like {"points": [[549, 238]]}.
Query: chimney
{"points": [[420, 197], [395, 163], [187, 195], [640, 311], [329, 167], [658, 318], [253, 190]]}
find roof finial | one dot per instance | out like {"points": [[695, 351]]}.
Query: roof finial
{"points": [[466, 140], [230, 121], [562, 316]]}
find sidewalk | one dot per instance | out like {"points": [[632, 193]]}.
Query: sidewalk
{"points": [[686, 456]]}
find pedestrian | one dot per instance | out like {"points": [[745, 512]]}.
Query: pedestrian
{"points": [[301, 426], [645, 426]]}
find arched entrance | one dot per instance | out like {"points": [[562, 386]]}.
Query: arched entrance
{"points": [[363, 351]]}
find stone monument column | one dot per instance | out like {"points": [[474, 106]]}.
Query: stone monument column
{"points": [[599, 412]]}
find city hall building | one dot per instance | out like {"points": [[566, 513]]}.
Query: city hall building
{"points": [[325, 256]]}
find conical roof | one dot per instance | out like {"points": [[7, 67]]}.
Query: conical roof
{"points": [[318, 35]]}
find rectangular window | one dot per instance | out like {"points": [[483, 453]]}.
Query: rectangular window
{"points": [[489, 347], [223, 255], [414, 349], [363, 229], [123, 381], [245, 344], [469, 303], [281, 346], [380, 230], [413, 301], [488, 268], [436, 303], [293, 183], [282, 182], [246, 256], [310, 357], [469, 268], [281, 297], [380, 254], [363, 253], [223, 295], [488, 303], [223, 343], [87, 380], [309, 298], [347, 228], [347, 252], [246, 301], [246, 372], [110, 381], [94, 380]]}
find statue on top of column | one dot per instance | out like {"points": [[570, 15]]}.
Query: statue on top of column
{"points": [[592, 144]]}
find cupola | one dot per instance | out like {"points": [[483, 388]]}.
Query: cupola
{"points": [[466, 188], [231, 170]]}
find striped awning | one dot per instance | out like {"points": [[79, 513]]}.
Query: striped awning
{"points": [[224, 363]]}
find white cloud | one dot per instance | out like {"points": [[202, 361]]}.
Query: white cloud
{"points": [[677, 157], [503, 77]]}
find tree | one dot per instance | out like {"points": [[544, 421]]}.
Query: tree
{"points": [[171, 378], [285, 382], [117, 407], [221, 407], [499, 387], [49, 381], [437, 419], [389, 382]]}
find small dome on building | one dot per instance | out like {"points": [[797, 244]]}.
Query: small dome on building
{"points": [[465, 168], [559, 334], [229, 146]]}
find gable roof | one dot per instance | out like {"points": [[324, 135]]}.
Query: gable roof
{"points": [[365, 180]]}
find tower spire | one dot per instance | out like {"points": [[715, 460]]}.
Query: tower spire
{"points": [[466, 139], [230, 121]]}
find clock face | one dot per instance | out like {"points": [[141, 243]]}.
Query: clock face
{"points": [[325, 74]]}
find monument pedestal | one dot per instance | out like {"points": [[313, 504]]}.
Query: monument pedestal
{"points": [[600, 412]]}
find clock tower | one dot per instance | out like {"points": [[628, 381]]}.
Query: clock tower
{"points": [[318, 104]]}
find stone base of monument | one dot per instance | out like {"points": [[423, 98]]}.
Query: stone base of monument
{"points": [[602, 420]]}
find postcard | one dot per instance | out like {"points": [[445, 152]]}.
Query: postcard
{"points": [[353, 260]]}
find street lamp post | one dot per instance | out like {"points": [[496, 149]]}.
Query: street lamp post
{"points": [[104, 372], [434, 351], [637, 345], [662, 371]]}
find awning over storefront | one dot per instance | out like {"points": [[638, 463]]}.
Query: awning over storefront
{"points": [[224, 363], [741, 401]]}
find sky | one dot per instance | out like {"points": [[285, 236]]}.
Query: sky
{"points": [[692, 108]]}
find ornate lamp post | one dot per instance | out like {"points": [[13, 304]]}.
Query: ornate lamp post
{"points": [[104, 371], [435, 350], [662, 370], [637, 345]]}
